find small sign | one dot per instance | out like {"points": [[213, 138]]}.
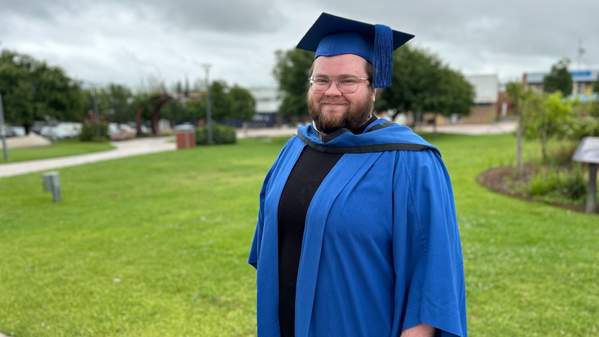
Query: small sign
{"points": [[588, 151]]}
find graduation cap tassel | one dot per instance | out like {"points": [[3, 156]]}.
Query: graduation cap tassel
{"points": [[381, 58]]}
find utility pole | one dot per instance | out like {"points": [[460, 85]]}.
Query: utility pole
{"points": [[209, 105], [2, 130]]}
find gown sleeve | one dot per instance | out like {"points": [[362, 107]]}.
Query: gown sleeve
{"points": [[257, 240], [427, 253], [255, 248]]}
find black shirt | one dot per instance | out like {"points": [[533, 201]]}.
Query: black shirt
{"points": [[306, 176]]}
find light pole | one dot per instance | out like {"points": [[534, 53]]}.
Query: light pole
{"points": [[2, 129], [209, 103]]}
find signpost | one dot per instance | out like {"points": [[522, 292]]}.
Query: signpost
{"points": [[588, 152]]}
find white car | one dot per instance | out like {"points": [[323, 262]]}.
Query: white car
{"points": [[61, 131], [121, 131]]}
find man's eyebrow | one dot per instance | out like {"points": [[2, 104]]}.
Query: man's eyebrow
{"points": [[339, 76]]}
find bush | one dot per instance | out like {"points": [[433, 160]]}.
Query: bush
{"points": [[556, 185], [94, 132], [584, 127], [562, 156], [221, 134]]}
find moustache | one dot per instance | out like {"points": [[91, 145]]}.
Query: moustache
{"points": [[333, 101]]}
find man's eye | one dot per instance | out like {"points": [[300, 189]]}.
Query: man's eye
{"points": [[348, 81], [321, 81]]}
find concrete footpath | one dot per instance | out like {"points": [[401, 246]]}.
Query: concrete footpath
{"points": [[473, 129], [123, 149]]}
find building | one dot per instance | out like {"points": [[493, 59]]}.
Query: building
{"points": [[486, 94], [267, 106], [582, 83]]}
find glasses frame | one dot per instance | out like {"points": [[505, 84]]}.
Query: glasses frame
{"points": [[312, 80]]}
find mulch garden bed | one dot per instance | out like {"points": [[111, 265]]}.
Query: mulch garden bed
{"points": [[503, 179]]}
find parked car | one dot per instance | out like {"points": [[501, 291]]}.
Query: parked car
{"points": [[61, 131], [120, 131], [13, 131]]}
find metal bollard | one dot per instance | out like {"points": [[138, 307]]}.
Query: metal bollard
{"points": [[51, 183]]}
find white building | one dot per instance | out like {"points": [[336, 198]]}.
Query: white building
{"points": [[486, 96], [267, 106]]}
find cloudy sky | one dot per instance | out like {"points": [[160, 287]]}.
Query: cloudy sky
{"points": [[135, 42]]}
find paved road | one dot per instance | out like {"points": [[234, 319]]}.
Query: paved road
{"points": [[123, 149]]}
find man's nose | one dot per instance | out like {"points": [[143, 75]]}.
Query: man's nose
{"points": [[333, 90]]}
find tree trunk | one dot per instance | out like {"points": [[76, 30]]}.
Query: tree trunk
{"points": [[544, 145], [138, 115], [435, 124], [519, 141]]}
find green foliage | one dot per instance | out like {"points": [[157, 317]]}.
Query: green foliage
{"points": [[94, 132], [221, 134], [554, 185], [584, 126], [546, 117], [291, 72], [596, 85], [178, 112], [32, 90], [559, 79], [115, 101], [243, 104], [227, 103], [422, 83]]}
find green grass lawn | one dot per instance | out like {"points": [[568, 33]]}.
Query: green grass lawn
{"points": [[60, 148], [160, 248]]}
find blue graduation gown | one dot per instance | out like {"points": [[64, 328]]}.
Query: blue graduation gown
{"points": [[381, 251]]}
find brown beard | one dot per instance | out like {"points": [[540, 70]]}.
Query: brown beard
{"points": [[353, 118]]}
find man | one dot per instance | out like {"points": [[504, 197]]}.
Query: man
{"points": [[356, 232]]}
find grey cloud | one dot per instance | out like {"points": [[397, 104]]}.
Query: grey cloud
{"points": [[533, 27], [229, 16]]}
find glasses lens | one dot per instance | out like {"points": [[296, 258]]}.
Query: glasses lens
{"points": [[320, 83]]}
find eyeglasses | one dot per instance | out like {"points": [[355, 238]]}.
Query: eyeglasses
{"points": [[345, 84]]}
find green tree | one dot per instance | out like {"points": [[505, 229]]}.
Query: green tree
{"points": [[421, 82], [177, 112], [291, 72], [454, 94], [547, 116], [115, 101], [596, 86], [228, 103], [243, 104], [559, 78], [32, 90]]}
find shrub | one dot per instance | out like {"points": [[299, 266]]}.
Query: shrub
{"points": [[94, 132], [543, 184], [562, 156], [221, 134], [556, 185], [585, 127]]}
